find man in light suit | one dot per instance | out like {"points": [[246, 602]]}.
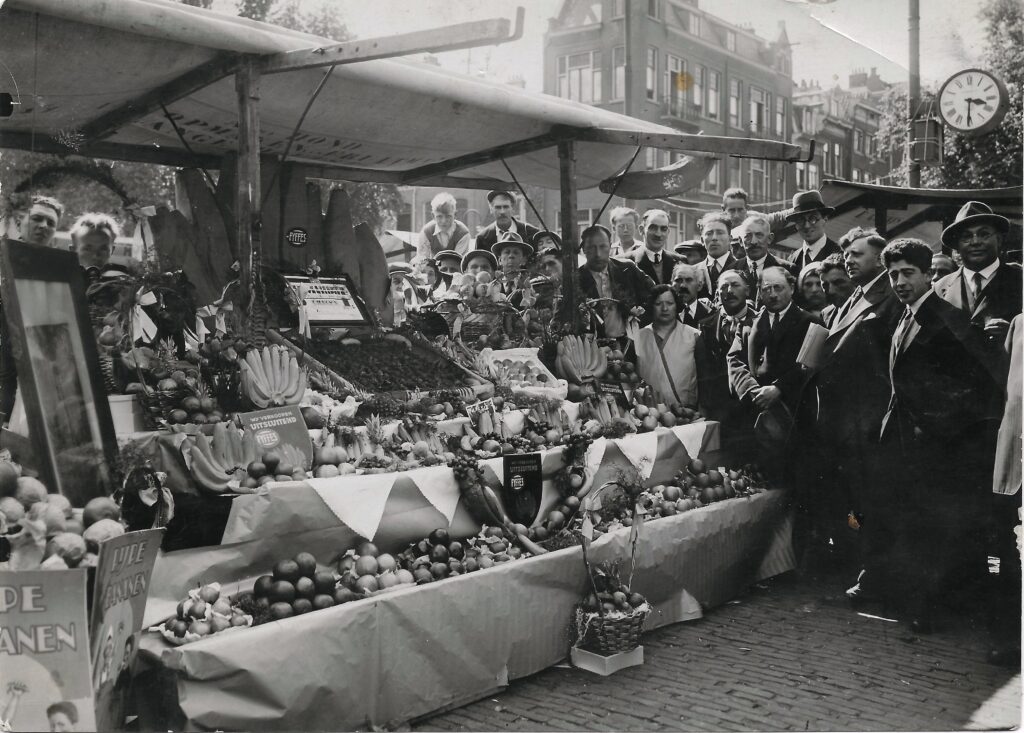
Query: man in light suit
{"points": [[653, 257], [810, 214], [502, 204], [715, 230], [763, 369], [932, 515]]}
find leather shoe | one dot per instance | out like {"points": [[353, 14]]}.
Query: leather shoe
{"points": [[921, 625], [1005, 657]]}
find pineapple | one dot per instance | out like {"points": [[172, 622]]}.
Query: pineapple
{"points": [[375, 433]]}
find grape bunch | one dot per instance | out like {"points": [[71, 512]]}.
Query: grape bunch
{"points": [[466, 468]]}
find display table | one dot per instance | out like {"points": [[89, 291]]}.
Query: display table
{"points": [[406, 654]]}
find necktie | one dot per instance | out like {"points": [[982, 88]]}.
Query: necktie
{"points": [[978, 282], [901, 331], [858, 293], [657, 258], [714, 271], [728, 330]]}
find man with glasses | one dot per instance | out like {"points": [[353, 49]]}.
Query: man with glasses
{"points": [[987, 289], [809, 214], [626, 226]]}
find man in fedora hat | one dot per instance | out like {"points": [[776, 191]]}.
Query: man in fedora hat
{"points": [[987, 289], [502, 203], [809, 213], [512, 254]]}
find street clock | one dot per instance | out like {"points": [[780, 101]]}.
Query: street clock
{"points": [[973, 101]]}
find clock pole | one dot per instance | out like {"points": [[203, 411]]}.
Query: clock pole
{"points": [[914, 91]]}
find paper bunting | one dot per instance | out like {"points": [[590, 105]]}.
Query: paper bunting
{"points": [[593, 458], [641, 450], [359, 504], [493, 467], [691, 436], [439, 488]]}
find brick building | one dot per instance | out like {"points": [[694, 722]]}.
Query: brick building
{"points": [[689, 70]]}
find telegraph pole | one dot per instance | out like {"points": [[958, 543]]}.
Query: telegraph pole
{"points": [[914, 91]]}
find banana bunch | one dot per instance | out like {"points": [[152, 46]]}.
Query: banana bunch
{"points": [[219, 464], [272, 377], [580, 360]]}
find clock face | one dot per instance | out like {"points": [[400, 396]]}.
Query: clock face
{"points": [[972, 101]]}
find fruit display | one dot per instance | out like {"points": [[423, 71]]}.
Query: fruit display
{"points": [[610, 618], [272, 377], [390, 364], [521, 370], [620, 371], [205, 612], [42, 531], [580, 360], [218, 463], [172, 390], [439, 556]]}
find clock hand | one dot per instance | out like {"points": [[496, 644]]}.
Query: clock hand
{"points": [[969, 103]]}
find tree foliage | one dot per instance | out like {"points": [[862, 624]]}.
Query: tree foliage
{"points": [[987, 161]]}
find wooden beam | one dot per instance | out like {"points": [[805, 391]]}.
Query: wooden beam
{"points": [[109, 151], [214, 70], [519, 147], [366, 175], [247, 197], [435, 40], [567, 176], [736, 147]]}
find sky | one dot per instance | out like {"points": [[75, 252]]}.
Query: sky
{"points": [[830, 40]]}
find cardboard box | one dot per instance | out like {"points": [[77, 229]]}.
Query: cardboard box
{"points": [[606, 665]]}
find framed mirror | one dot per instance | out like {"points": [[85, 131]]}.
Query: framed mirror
{"points": [[59, 375]]}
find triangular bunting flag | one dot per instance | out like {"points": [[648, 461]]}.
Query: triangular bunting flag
{"points": [[641, 450], [438, 486], [691, 436], [493, 467], [592, 460], [359, 503]]}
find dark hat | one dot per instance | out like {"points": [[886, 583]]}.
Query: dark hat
{"points": [[479, 253], [804, 202], [511, 239], [689, 245], [545, 233], [448, 254], [492, 194], [970, 214]]}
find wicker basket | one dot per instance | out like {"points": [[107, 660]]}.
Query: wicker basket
{"points": [[609, 634]]}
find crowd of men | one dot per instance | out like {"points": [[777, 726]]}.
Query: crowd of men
{"points": [[871, 376]]}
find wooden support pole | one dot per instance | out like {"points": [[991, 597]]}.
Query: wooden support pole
{"points": [[570, 237], [247, 199]]}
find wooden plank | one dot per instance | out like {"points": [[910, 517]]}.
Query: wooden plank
{"points": [[339, 241], [109, 151], [434, 40], [202, 76], [567, 175], [736, 147], [366, 175], [247, 200]]}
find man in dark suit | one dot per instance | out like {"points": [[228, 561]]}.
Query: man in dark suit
{"points": [[809, 213], [988, 291], [653, 258], [850, 388], [687, 283], [602, 276], [715, 230], [502, 204], [933, 511], [763, 369], [717, 400], [756, 234], [836, 283]]}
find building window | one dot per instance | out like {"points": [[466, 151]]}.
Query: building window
{"points": [[579, 77], [837, 159], [652, 73], [700, 75], [873, 145], [801, 176], [714, 100], [695, 24], [618, 8], [730, 40], [758, 180], [759, 100], [813, 177], [734, 103], [735, 172], [654, 9], [710, 182], [651, 158], [858, 140], [780, 116], [675, 226], [619, 72], [857, 177], [808, 119], [675, 85]]}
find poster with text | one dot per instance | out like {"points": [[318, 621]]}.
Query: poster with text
{"points": [[282, 431], [45, 670], [123, 572]]}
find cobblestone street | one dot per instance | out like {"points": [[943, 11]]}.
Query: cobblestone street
{"points": [[789, 655]]}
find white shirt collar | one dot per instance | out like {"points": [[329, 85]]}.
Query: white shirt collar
{"points": [[781, 314], [759, 263], [987, 273], [449, 231], [739, 316], [916, 305], [649, 253], [720, 260], [813, 249]]}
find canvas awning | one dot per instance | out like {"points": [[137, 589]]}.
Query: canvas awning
{"points": [[85, 69]]}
